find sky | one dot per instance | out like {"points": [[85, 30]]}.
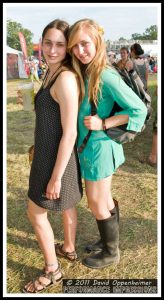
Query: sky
{"points": [[118, 20]]}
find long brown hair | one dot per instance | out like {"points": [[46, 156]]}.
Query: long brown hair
{"points": [[63, 26], [99, 62]]}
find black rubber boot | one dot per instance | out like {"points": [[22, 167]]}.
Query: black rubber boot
{"points": [[97, 246], [109, 232]]}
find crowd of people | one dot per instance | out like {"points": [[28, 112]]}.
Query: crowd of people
{"points": [[35, 69], [134, 59], [125, 55], [78, 73]]}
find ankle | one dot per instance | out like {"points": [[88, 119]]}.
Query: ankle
{"points": [[51, 267], [68, 248]]}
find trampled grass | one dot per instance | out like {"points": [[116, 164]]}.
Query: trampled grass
{"points": [[134, 186]]}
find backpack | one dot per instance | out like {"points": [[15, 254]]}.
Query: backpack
{"points": [[120, 134], [133, 80]]}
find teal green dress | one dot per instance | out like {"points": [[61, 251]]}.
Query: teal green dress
{"points": [[101, 155]]}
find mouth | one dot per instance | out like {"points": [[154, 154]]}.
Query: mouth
{"points": [[52, 57], [83, 57]]}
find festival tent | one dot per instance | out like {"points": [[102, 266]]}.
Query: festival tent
{"points": [[150, 49], [15, 64]]}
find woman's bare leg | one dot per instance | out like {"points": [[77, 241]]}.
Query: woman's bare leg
{"points": [[44, 233], [99, 197], [70, 223], [43, 230]]}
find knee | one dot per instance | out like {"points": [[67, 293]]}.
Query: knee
{"points": [[70, 216], [93, 205], [34, 218], [30, 215], [98, 208]]}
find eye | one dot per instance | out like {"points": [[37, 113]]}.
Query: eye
{"points": [[60, 45], [84, 44], [47, 43]]}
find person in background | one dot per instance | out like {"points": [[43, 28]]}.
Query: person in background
{"points": [[101, 156], [55, 181], [151, 160], [139, 63], [125, 61], [112, 57], [34, 71]]}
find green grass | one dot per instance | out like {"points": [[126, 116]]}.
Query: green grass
{"points": [[134, 186]]}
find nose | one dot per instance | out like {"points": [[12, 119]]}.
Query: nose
{"points": [[53, 49], [80, 49]]}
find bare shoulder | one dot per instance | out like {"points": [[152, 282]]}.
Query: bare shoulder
{"points": [[66, 82], [67, 76], [65, 85]]}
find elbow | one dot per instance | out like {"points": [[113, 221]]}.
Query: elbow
{"points": [[71, 136]]}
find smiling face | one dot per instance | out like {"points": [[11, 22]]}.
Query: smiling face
{"points": [[124, 54], [54, 46], [84, 49]]}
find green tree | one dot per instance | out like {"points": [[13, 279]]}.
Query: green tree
{"points": [[13, 39], [122, 39], [136, 36], [149, 34]]}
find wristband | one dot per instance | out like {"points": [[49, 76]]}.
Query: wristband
{"points": [[103, 124]]}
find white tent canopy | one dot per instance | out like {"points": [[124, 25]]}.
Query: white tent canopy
{"points": [[150, 49], [21, 69]]}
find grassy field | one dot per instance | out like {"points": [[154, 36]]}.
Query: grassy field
{"points": [[134, 186]]}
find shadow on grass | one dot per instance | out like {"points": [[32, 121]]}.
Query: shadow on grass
{"points": [[20, 131], [134, 232], [28, 273]]}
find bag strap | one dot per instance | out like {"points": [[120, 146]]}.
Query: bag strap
{"points": [[93, 112], [116, 108]]}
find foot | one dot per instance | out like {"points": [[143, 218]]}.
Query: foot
{"points": [[97, 246], [46, 279], [101, 259], [72, 256]]}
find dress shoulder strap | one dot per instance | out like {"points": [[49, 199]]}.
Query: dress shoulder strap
{"points": [[61, 69]]}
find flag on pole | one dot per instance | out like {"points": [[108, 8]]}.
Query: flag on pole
{"points": [[23, 44]]}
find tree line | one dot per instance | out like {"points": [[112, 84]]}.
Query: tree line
{"points": [[13, 39]]}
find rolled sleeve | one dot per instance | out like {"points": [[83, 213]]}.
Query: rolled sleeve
{"points": [[130, 103]]}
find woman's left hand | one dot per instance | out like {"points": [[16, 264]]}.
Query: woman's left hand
{"points": [[93, 122]]}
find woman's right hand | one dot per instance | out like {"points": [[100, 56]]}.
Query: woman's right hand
{"points": [[19, 97], [53, 189]]}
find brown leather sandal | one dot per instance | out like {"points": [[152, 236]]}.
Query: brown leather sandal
{"points": [[72, 256], [38, 285]]}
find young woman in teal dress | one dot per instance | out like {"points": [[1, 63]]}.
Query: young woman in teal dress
{"points": [[101, 156]]}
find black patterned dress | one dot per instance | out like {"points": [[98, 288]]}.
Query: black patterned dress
{"points": [[48, 133]]}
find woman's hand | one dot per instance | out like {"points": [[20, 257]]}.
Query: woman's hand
{"points": [[53, 189], [93, 122], [19, 97]]}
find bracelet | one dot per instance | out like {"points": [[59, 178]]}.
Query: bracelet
{"points": [[103, 124]]}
